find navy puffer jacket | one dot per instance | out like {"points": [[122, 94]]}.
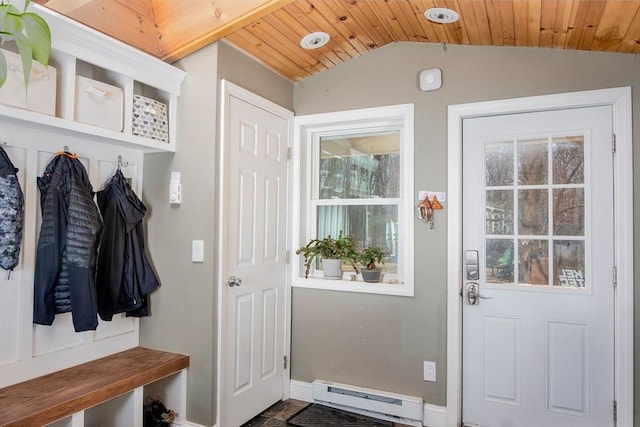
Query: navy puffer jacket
{"points": [[68, 245], [11, 213]]}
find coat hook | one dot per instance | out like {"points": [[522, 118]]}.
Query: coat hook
{"points": [[5, 143], [122, 164], [66, 149]]}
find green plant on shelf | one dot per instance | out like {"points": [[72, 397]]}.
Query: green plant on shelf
{"points": [[368, 257], [31, 35], [341, 248]]}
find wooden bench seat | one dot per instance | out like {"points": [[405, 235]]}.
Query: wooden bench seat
{"points": [[46, 399]]}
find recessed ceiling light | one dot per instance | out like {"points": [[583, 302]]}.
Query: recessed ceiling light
{"points": [[315, 40], [441, 15]]}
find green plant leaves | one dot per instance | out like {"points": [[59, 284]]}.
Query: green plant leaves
{"points": [[31, 35], [39, 37], [3, 70]]}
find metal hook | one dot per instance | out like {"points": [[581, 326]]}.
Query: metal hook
{"points": [[66, 149], [122, 164], [4, 143]]}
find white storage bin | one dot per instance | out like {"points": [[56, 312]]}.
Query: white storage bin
{"points": [[41, 92], [98, 104], [150, 118]]}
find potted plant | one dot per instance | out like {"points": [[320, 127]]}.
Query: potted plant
{"points": [[368, 258], [332, 252], [31, 35]]}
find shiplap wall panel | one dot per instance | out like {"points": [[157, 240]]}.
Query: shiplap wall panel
{"points": [[28, 350]]}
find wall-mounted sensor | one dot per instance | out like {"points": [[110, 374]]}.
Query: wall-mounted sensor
{"points": [[175, 189], [430, 79]]}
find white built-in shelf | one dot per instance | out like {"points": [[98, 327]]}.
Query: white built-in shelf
{"points": [[78, 50]]}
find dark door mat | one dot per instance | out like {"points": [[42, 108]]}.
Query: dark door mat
{"points": [[323, 416]]}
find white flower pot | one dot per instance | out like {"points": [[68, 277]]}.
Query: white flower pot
{"points": [[332, 268]]}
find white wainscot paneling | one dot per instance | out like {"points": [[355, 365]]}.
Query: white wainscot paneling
{"points": [[28, 350]]}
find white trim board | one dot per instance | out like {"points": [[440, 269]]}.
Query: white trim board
{"points": [[435, 416], [620, 100]]}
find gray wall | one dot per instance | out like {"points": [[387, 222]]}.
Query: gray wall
{"points": [[381, 341], [374, 341], [185, 307], [183, 316]]}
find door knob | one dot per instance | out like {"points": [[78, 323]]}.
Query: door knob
{"points": [[234, 281], [473, 294]]}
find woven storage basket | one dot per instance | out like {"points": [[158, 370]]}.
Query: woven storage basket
{"points": [[150, 118]]}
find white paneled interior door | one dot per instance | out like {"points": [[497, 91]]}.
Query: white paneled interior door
{"points": [[253, 260], [538, 296]]}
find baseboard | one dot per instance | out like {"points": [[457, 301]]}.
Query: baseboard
{"points": [[433, 415], [188, 424], [300, 391]]}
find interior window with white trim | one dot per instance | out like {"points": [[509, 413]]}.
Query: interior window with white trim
{"points": [[356, 170]]}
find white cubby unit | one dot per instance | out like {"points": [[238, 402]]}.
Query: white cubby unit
{"points": [[81, 51], [32, 139]]}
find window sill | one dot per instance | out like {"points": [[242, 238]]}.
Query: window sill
{"points": [[402, 289]]}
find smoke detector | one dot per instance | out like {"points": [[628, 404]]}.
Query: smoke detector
{"points": [[315, 40], [441, 15]]}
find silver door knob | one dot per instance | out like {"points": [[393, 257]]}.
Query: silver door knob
{"points": [[234, 281], [473, 294]]}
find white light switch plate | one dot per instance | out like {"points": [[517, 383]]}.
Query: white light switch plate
{"points": [[197, 251]]}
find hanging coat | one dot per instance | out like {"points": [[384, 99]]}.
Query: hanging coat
{"points": [[11, 213], [125, 277], [67, 246]]}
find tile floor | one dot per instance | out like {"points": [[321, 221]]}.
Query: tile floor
{"points": [[277, 415]]}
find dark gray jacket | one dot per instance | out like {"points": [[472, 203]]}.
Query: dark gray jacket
{"points": [[125, 277], [11, 213], [67, 247]]}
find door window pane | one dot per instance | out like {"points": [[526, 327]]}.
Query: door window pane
{"points": [[533, 262], [499, 261], [535, 227], [499, 163], [356, 167], [532, 162], [568, 211], [533, 212], [569, 263], [568, 160], [499, 212]]}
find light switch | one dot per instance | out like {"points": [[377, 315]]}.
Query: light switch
{"points": [[197, 251]]}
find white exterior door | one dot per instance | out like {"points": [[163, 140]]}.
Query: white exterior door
{"points": [[538, 297], [253, 266]]}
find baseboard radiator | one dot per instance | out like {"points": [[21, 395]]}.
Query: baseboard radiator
{"points": [[374, 403]]}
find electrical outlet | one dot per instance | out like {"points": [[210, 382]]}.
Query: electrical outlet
{"points": [[429, 371]]}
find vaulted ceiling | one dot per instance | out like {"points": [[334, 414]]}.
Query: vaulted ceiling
{"points": [[271, 30]]}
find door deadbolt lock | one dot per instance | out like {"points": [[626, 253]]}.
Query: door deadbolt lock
{"points": [[472, 265]]}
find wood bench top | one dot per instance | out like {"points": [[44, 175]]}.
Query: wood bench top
{"points": [[60, 394]]}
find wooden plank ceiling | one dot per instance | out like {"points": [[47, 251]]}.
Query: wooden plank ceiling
{"points": [[271, 30]]}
